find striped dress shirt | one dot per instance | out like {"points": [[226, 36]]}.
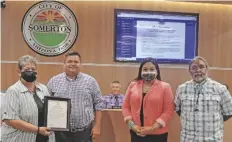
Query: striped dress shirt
{"points": [[85, 96], [201, 108], [20, 105]]}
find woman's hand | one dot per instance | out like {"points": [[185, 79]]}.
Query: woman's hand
{"points": [[146, 130], [136, 128], [44, 131]]}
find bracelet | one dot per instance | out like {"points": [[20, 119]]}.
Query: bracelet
{"points": [[131, 124], [38, 130]]}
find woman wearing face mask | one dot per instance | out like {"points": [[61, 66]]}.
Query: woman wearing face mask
{"points": [[148, 105], [23, 114]]}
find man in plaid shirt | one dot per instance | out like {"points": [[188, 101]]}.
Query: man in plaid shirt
{"points": [[203, 105], [86, 100]]}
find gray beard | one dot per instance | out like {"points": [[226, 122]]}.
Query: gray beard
{"points": [[199, 79]]}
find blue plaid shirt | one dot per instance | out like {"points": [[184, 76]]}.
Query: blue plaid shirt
{"points": [[112, 100], [85, 97]]}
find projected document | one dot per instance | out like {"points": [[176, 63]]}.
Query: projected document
{"points": [[168, 37], [160, 40]]}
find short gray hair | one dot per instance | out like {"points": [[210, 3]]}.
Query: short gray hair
{"points": [[26, 59], [197, 58]]}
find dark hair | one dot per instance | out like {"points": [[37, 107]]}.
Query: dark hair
{"points": [[115, 81], [139, 77], [73, 53]]}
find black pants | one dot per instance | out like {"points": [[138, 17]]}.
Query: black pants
{"points": [[149, 138], [41, 138], [79, 136]]}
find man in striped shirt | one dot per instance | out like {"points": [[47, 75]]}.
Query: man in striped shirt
{"points": [[86, 101]]}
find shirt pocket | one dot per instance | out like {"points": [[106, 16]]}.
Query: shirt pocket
{"points": [[61, 91], [187, 104], [212, 103], [61, 94]]}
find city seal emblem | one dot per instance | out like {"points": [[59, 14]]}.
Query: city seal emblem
{"points": [[49, 28]]}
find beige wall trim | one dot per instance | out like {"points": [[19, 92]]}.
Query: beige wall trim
{"points": [[168, 66]]}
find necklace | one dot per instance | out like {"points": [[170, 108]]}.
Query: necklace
{"points": [[145, 90], [147, 87]]}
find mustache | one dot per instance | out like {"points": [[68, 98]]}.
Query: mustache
{"points": [[199, 75]]}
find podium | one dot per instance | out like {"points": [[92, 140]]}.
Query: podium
{"points": [[113, 127]]}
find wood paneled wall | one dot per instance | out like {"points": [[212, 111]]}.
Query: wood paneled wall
{"points": [[95, 44]]}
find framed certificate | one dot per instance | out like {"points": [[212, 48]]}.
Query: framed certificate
{"points": [[57, 113]]}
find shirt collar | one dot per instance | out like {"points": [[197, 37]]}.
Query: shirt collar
{"points": [[202, 83], [112, 95], [69, 79], [24, 88]]}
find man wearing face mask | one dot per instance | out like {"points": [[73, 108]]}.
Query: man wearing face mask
{"points": [[203, 105], [115, 98], [23, 115], [148, 105]]}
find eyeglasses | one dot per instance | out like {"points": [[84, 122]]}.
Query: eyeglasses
{"points": [[195, 68], [30, 69]]}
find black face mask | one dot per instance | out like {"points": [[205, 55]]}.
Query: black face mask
{"points": [[29, 76]]}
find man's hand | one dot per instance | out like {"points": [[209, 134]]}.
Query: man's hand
{"points": [[44, 131], [95, 131]]}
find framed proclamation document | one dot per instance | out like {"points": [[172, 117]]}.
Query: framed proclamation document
{"points": [[57, 113]]}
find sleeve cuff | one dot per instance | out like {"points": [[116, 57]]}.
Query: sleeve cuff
{"points": [[160, 121], [98, 107], [10, 117], [127, 118]]}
